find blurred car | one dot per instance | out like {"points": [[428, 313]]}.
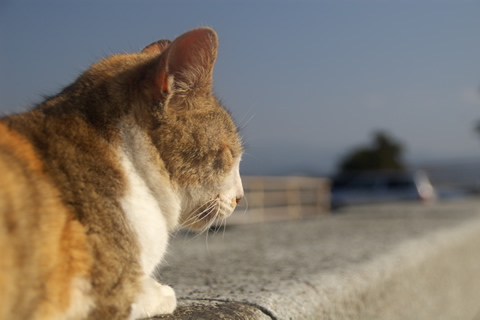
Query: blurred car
{"points": [[380, 187]]}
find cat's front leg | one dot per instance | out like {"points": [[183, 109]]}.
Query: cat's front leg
{"points": [[155, 299]]}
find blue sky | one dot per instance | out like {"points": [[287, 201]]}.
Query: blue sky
{"points": [[305, 80]]}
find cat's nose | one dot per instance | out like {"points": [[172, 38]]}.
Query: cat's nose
{"points": [[238, 199]]}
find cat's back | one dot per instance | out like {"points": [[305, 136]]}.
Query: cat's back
{"points": [[35, 231]]}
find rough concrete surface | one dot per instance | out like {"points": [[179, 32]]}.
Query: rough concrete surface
{"points": [[403, 261], [207, 310]]}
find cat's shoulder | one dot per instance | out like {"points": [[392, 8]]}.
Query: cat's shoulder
{"points": [[15, 150]]}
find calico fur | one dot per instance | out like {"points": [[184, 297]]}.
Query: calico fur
{"points": [[94, 179]]}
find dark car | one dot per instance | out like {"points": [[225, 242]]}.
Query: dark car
{"points": [[382, 186]]}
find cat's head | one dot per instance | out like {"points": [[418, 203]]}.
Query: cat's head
{"points": [[195, 136]]}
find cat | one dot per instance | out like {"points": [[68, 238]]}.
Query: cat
{"points": [[94, 179]]}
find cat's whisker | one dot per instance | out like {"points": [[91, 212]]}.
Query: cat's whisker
{"points": [[216, 220], [206, 240], [246, 122], [212, 221], [246, 204], [250, 155], [242, 123], [192, 219], [193, 216], [186, 235], [206, 230], [204, 214], [224, 222]]}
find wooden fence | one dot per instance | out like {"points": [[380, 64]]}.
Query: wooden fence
{"points": [[281, 198]]}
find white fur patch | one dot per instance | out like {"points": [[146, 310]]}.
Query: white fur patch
{"points": [[154, 300], [152, 207], [81, 301], [150, 204], [144, 214]]}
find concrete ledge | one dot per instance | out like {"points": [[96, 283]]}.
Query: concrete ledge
{"points": [[401, 261], [208, 310]]}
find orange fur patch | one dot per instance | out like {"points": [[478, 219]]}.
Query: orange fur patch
{"points": [[43, 248]]}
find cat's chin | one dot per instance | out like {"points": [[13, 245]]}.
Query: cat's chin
{"points": [[206, 215]]}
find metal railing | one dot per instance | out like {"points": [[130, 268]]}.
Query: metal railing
{"points": [[281, 198]]}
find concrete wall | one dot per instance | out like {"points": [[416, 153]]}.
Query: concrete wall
{"points": [[404, 261]]}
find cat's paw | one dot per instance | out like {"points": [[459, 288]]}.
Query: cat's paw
{"points": [[168, 299], [155, 299]]}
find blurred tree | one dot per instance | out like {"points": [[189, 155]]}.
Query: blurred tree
{"points": [[384, 154]]}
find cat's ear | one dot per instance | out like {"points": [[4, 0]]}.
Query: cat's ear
{"points": [[157, 47], [187, 64]]}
